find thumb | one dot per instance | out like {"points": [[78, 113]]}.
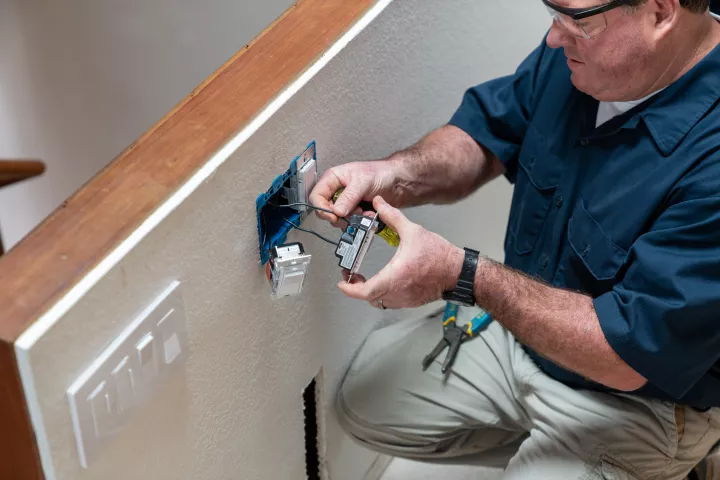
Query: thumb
{"points": [[391, 216]]}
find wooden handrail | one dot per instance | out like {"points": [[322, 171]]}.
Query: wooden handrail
{"points": [[12, 171], [49, 261]]}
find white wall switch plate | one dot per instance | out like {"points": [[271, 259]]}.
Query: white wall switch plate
{"points": [[128, 372]]}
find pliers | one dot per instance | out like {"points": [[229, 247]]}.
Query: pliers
{"points": [[453, 336]]}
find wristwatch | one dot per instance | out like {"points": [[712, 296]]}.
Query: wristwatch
{"points": [[463, 293]]}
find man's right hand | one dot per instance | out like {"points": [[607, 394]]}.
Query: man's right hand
{"points": [[360, 181], [444, 167]]}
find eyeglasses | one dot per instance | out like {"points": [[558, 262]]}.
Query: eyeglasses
{"points": [[584, 22]]}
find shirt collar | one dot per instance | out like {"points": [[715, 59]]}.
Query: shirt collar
{"points": [[675, 111]]}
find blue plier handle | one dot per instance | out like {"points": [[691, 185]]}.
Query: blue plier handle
{"points": [[453, 336], [473, 327]]}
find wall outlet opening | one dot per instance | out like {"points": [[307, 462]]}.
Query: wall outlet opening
{"points": [[314, 430], [291, 187]]}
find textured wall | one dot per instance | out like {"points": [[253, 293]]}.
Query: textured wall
{"points": [[81, 79], [234, 412]]}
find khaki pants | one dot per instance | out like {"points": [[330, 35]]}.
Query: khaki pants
{"points": [[497, 408]]}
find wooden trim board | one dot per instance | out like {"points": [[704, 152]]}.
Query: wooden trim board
{"points": [[50, 261], [19, 457]]}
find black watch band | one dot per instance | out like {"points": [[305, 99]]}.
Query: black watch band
{"points": [[463, 292]]}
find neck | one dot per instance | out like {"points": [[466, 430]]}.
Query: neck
{"points": [[690, 50]]}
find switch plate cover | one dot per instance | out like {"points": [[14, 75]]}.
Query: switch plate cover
{"points": [[128, 373]]}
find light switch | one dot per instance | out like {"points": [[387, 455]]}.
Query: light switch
{"points": [[101, 402], [293, 282], [128, 373], [174, 336], [123, 379], [171, 348], [145, 350]]}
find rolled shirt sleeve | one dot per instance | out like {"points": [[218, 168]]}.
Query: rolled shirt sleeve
{"points": [[663, 319], [497, 113]]}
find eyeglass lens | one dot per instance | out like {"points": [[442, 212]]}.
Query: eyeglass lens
{"points": [[585, 28]]}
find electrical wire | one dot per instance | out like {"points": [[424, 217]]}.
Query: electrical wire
{"points": [[311, 232], [300, 204]]}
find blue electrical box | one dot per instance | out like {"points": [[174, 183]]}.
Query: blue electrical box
{"points": [[273, 212]]}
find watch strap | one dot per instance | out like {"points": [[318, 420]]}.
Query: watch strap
{"points": [[463, 291], [466, 282]]}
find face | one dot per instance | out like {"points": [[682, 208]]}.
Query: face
{"points": [[614, 65]]}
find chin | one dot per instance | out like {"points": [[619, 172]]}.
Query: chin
{"points": [[580, 84], [587, 88]]}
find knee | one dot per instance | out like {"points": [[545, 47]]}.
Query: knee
{"points": [[365, 419], [360, 408], [375, 406], [370, 396]]}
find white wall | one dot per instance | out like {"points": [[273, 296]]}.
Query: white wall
{"points": [[234, 412], [82, 79]]}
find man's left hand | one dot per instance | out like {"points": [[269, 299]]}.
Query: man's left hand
{"points": [[424, 266]]}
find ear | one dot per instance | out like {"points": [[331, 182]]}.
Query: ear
{"points": [[666, 14]]}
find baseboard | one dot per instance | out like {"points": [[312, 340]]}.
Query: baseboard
{"points": [[378, 467]]}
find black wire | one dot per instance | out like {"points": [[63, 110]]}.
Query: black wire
{"points": [[325, 239], [300, 204]]}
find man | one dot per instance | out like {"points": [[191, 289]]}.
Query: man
{"points": [[603, 359]]}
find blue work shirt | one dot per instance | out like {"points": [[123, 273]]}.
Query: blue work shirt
{"points": [[628, 213]]}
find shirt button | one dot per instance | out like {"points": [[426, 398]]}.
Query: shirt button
{"points": [[584, 142], [559, 202], [585, 250], [544, 262]]}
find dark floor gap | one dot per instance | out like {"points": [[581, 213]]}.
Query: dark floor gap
{"points": [[312, 455]]}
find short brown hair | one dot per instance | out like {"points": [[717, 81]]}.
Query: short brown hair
{"points": [[696, 6]]}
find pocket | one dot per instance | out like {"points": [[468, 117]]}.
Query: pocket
{"points": [[535, 185], [698, 432], [617, 469], [679, 423], [595, 260]]}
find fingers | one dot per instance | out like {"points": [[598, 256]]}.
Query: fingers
{"points": [[322, 194], [356, 278], [343, 222], [377, 287], [354, 289], [346, 204], [382, 304], [391, 216], [360, 288], [348, 200]]}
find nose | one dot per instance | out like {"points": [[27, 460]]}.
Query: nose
{"points": [[559, 37]]}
